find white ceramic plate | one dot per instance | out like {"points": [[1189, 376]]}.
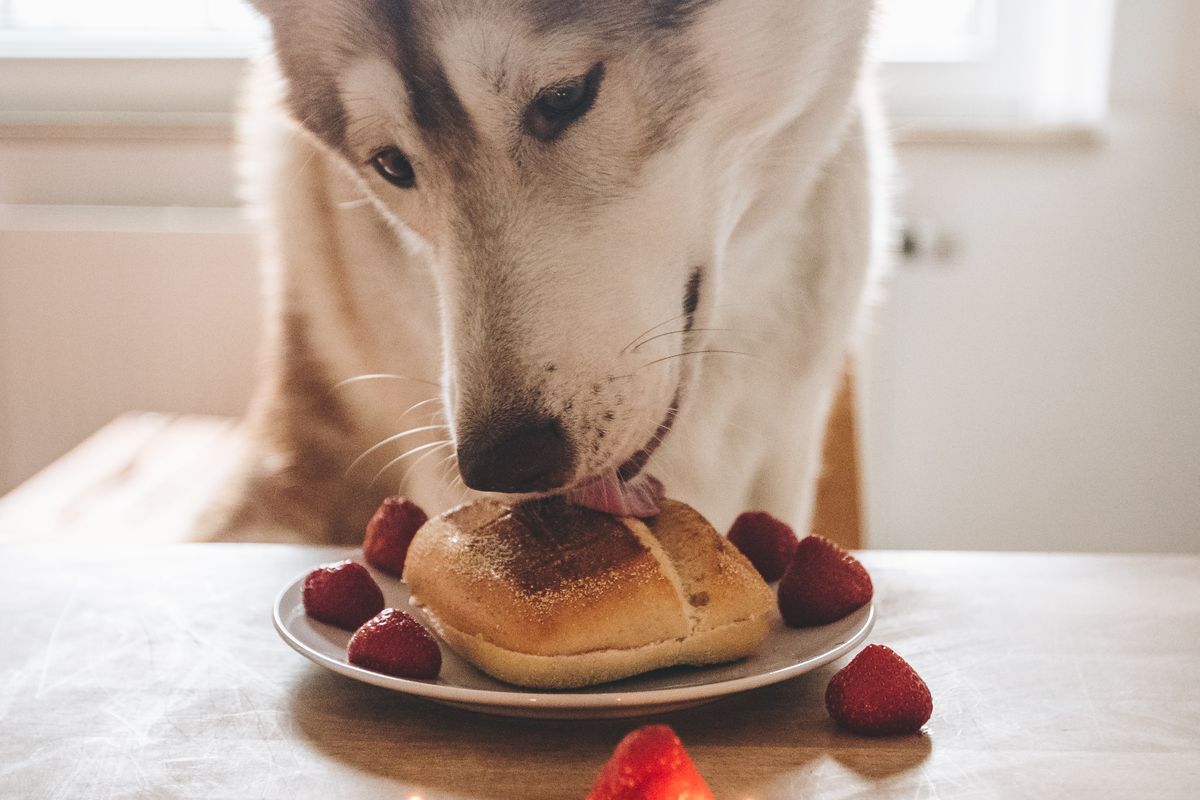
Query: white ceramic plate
{"points": [[786, 653]]}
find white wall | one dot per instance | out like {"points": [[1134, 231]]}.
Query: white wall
{"points": [[144, 311], [1041, 388]]}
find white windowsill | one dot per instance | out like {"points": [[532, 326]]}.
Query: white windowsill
{"points": [[123, 219], [220, 126], [925, 132], [118, 125]]}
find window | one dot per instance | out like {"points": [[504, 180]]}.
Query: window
{"points": [[126, 28], [138, 67], [934, 31], [997, 64], [948, 63]]}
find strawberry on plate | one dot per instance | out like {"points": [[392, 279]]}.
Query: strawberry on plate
{"points": [[389, 533], [878, 694], [394, 643], [650, 764], [342, 594], [822, 584], [768, 543]]}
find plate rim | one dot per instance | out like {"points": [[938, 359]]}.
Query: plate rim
{"points": [[563, 700]]}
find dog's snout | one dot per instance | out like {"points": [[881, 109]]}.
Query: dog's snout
{"points": [[532, 455]]}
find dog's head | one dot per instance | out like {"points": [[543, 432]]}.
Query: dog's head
{"points": [[572, 167]]}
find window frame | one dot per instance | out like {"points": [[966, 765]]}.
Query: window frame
{"points": [[1044, 73], [155, 88], [200, 73]]}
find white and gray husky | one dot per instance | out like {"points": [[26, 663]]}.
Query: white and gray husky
{"points": [[554, 246]]}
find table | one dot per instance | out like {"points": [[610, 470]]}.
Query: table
{"points": [[153, 672]]}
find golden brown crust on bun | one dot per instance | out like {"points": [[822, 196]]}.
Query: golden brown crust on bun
{"points": [[548, 594]]}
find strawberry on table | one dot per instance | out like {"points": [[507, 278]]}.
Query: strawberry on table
{"points": [[878, 694], [822, 584], [650, 764], [768, 543], [389, 533], [394, 643], [342, 594]]}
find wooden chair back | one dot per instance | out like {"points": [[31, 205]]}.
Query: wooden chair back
{"points": [[838, 510]]}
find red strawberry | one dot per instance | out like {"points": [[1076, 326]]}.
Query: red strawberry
{"points": [[394, 643], [878, 694], [823, 583], [389, 532], [650, 764], [769, 543], [342, 594]]}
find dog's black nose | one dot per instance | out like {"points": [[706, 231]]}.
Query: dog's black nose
{"points": [[530, 456]]}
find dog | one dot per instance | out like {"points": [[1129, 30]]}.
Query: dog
{"points": [[543, 247]]}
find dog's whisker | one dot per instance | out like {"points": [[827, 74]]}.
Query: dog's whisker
{"points": [[363, 125], [647, 341], [453, 455], [695, 353], [637, 339], [649, 330], [415, 406], [656, 442], [383, 376], [446, 467], [414, 464], [297, 174], [406, 454], [393, 438]]}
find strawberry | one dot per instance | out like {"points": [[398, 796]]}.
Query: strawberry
{"points": [[822, 584], [878, 694], [769, 543], [389, 533], [394, 643], [342, 594], [650, 764]]}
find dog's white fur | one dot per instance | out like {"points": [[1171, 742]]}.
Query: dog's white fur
{"points": [[774, 182]]}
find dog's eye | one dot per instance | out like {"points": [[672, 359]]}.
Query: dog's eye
{"points": [[560, 100], [394, 167], [556, 107]]}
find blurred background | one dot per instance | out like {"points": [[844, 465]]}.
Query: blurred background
{"points": [[1031, 382]]}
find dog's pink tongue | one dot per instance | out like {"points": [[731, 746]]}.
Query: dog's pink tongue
{"points": [[640, 497]]}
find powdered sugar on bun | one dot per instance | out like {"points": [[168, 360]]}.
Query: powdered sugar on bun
{"points": [[548, 594]]}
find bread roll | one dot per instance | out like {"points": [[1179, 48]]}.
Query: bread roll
{"points": [[549, 595]]}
